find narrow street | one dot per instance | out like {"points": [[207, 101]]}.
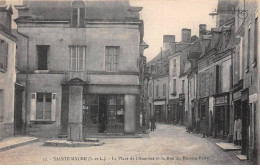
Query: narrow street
{"points": [[168, 144]]}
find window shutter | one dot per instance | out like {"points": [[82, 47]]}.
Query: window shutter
{"points": [[33, 107], [81, 59], [53, 106], [74, 17], [82, 17]]}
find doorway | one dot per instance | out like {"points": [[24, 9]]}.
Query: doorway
{"points": [[245, 132], [102, 114], [18, 121]]}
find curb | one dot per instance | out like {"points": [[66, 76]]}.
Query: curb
{"points": [[18, 144]]}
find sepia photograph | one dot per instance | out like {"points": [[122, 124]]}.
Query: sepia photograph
{"points": [[129, 82]]}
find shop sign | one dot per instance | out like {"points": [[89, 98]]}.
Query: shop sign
{"points": [[237, 95], [221, 100]]}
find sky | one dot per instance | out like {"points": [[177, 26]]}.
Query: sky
{"points": [[168, 17]]}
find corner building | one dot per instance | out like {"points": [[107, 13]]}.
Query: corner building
{"points": [[80, 66]]}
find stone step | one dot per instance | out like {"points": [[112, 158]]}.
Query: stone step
{"points": [[241, 157], [91, 140], [228, 146]]}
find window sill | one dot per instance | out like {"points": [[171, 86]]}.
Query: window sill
{"points": [[41, 71]]}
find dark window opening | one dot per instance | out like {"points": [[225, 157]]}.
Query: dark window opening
{"points": [[42, 51]]}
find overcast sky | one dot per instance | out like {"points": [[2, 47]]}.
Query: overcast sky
{"points": [[170, 16]]}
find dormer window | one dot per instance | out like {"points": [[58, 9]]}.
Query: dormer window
{"points": [[78, 14]]}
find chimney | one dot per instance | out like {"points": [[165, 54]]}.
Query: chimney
{"points": [[168, 41], [202, 30], [186, 35]]}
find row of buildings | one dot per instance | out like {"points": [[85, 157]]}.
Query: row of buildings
{"points": [[71, 68], [214, 75]]}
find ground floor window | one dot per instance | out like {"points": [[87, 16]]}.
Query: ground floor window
{"points": [[43, 106]]}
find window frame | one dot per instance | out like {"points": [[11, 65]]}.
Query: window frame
{"points": [[47, 47], [77, 59], [43, 107], [5, 59], [113, 61], [80, 7]]}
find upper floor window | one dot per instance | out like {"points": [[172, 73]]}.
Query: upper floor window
{"points": [[248, 47], [174, 66], [77, 58], [43, 52], [174, 86], [78, 14], [183, 86], [112, 58], [164, 89], [157, 90], [3, 55], [256, 40]]}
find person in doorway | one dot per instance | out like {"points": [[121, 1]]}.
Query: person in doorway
{"points": [[237, 131], [152, 123], [204, 127]]}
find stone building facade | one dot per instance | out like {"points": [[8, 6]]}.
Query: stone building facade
{"points": [[81, 67]]}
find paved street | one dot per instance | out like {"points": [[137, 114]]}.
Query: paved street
{"points": [[168, 144]]}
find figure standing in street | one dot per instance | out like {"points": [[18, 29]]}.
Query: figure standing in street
{"points": [[237, 131], [204, 127], [152, 123], [197, 126]]}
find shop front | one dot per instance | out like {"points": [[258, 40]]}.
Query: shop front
{"points": [[245, 121], [174, 110], [98, 109], [160, 110], [221, 116]]}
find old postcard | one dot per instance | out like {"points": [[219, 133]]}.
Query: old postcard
{"points": [[129, 82]]}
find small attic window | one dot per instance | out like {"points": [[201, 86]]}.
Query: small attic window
{"points": [[78, 14]]}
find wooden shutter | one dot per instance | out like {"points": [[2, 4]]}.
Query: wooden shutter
{"points": [[53, 106], [74, 17], [33, 107], [82, 17]]}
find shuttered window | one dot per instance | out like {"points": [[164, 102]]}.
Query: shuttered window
{"points": [[43, 107], [78, 14], [77, 58]]}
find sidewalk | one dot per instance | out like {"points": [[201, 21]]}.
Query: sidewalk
{"points": [[231, 149], [13, 142]]}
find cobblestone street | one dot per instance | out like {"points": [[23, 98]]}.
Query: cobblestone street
{"points": [[168, 144]]}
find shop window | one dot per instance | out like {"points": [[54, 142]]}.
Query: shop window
{"points": [[115, 109], [77, 58], [112, 58], [3, 55], [42, 52], [78, 14]]}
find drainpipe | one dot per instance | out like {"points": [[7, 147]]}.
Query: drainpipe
{"points": [[26, 78]]}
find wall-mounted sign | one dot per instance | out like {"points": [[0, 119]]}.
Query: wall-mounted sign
{"points": [[221, 100]]}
